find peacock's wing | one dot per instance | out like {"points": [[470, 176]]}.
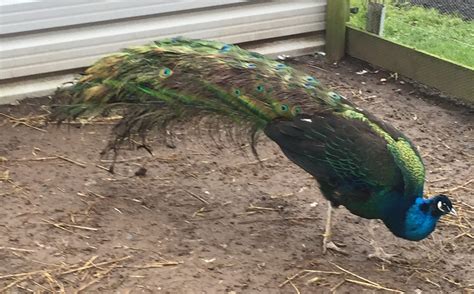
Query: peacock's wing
{"points": [[350, 161]]}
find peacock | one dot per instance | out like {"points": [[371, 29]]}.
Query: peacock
{"points": [[359, 161]]}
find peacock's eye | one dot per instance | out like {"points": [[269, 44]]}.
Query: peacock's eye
{"points": [[443, 207], [284, 107], [260, 88], [440, 206], [237, 92]]}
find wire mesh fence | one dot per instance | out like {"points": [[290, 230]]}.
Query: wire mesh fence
{"points": [[444, 28], [461, 8]]}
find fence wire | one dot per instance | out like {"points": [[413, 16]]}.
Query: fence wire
{"points": [[460, 8]]}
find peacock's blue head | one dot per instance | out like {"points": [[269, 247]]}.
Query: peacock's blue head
{"points": [[421, 217], [440, 205]]}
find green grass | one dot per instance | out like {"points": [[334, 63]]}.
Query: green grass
{"points": [[446, 36]]}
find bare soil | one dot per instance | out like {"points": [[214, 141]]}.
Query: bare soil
{"points": [[208, 218]]}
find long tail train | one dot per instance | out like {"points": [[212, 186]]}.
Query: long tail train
{"points": [[181, 79]]}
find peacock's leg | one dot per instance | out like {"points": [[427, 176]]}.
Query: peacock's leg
{"points": [[378, 250], [327, 243], [327, 231]]}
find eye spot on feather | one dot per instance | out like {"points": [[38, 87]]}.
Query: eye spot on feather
{"points": [[251, 65], [225, 48], [280, 66], [165, 72], [260, 88], [311, 80], [296, 110], [334, 96], [237, 92], [284, 107]]}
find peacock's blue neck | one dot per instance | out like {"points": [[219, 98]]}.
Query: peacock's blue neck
{"points": [[417, 223]]}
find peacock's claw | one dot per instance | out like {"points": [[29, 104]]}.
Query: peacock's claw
{"points": [[331, 245], [379, 253]]}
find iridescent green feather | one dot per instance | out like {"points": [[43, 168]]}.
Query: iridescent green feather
{"points": [[207, 73]]}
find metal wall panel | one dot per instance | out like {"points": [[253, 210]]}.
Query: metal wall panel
{"points": [[17, 17], [45, 37]]}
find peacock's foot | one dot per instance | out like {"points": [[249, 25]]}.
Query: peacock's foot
{"points": [[331, 245], [327, 243], [379, 253]]}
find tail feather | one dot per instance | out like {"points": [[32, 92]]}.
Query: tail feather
{"points": [[181, 79]]}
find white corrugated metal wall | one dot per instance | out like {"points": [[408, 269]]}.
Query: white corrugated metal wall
{"points": [[49, 38]]}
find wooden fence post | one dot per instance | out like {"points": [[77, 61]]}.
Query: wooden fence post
{"points": [[337, 13]]}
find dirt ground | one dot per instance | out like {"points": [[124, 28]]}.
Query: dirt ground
{"points": [[208, 218]]}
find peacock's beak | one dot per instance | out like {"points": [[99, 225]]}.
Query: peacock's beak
{"points": [[453, 212]]}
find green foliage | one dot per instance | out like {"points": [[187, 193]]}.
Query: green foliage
{"points": [[444, 35]]}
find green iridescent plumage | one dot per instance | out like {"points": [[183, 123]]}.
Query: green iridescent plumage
{"points": [[358, 160], [223, 77]]}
